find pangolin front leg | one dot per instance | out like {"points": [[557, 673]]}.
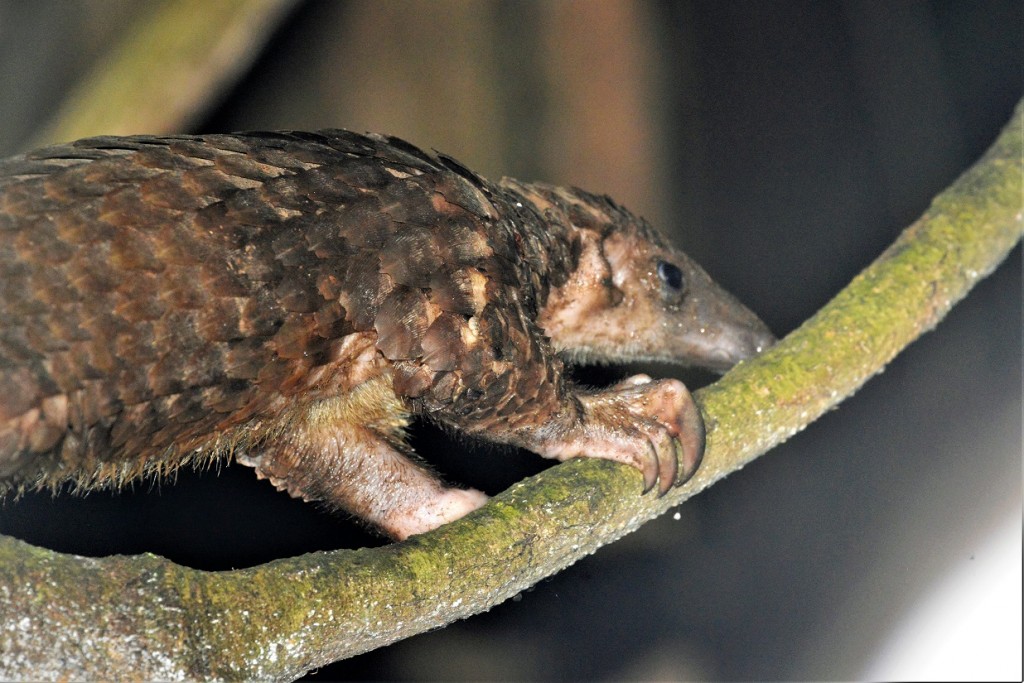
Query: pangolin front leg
{"points": [[653, 426], [662, 413]]}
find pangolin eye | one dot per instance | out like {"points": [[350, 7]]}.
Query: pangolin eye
{"points": [[670, 275]]}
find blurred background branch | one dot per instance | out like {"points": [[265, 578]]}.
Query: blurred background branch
{"points": [[171, 63]]}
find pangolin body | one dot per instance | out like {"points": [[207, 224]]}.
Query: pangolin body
{"points": [[295, 299]]}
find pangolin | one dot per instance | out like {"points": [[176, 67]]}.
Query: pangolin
{"points": [[294, 300]]}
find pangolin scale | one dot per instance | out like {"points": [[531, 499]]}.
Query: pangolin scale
{"points": [[294, 299]]}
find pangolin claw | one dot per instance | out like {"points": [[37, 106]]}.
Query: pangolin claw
{"points": [[690, 443], [652, 425], [651, 469], [668, 469]]}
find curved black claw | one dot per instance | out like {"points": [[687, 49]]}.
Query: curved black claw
{"points": [[668, 470], [651, 468], [691, 442]]}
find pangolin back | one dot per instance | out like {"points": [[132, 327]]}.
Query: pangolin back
{"points": [[159, 290]]}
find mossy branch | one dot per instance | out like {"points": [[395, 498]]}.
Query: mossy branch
{"points": [[145, 617]]}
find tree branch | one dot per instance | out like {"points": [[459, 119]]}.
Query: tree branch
{"points": [[145, 617], [167, 68]]}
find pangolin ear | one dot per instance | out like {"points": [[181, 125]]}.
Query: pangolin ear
{"points": [[593, 256], [592, 283], [578, 303]]}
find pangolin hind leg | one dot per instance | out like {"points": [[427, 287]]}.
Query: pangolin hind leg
{"points": [[349, 452]]}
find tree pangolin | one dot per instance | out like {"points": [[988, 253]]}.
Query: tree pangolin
{"points": [[294, 299]]}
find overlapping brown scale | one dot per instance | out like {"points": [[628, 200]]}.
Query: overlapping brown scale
{"points": [[79, 359], [412, 257], [459, 292], [351, 145], [28, 199], [364, 173], [184, 409], [465, 242], [228, 397], [138, 352], [99, 400], [51, 287], [469, 196], [235, 208], [401, 322], [244, 166], [102, 180], [156, 154], [22, 392], [45, 436], [442, 343], [364, 225], [324, 239], [126, 210], [139, 421], [175, 244], [475, 366], [219, 319], [363, 288], [329, 320], [245, 357], [327, 185], [81, 226], [182, 288], [297, 340], [183, 356], [410, 202], [16, 300], [132, 250], [89, 273], [196, 149], [411, 379], [291, 250], [102, 357], [205, 366], [261, 315], [170, 192], [287, 198], [276, 375], [22, 345], [38, 242], [283, 157], [137, 299], [221, 280]]}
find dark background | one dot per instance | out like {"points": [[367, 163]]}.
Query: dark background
{"points": [[784, 145]]}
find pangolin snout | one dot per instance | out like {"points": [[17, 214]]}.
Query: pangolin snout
{"points": [[723, 331], [734, 344]]}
